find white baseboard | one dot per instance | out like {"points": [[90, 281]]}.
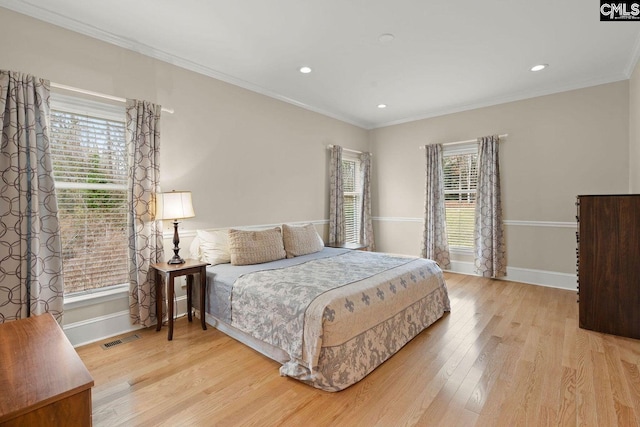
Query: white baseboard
{"points": [[99, 328], [551, 279], [112, 324]]}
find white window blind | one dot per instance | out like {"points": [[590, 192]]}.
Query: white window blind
{"points": [[90, 171], [352, 199], [460, 183]]}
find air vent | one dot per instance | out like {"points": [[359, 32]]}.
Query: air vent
{"points": [[119, 341]]}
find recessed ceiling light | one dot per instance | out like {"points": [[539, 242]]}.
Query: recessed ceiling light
{"points": [[386, 38], [305, 70], [539, 67], [381, 106]]}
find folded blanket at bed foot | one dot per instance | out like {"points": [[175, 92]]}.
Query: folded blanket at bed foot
{"points": [[343, 364]]}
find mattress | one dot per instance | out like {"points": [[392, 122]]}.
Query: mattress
{"points": [[331, 317]]}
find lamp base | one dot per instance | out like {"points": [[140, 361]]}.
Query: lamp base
{"points": [[176, 241]]}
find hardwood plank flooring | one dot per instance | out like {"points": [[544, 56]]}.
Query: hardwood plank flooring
{"points": [[508, 354]]}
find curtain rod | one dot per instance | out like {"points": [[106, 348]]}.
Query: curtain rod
{"points": [[347, 149], [98, 94], [504, 135]]}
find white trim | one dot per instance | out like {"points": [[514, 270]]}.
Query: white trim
{"points": [[467, 146], [396, 219], [518, 223], [351, 156], [87, 107], [91, 297], [462, 267], [461, 250], [183, 233], [633, 60], [39, 12], [347, 150], [192, 233], [109, 325], [97, 94], [550, 279], [506, 99], [98, 328], [89, 186], [471, 141], [460, 149], [555, 224]]}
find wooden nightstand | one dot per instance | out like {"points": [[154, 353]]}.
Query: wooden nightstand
{"points": [[352, 246], [170, 272]]}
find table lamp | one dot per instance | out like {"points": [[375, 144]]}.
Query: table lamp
{"points": [[174, 205]]}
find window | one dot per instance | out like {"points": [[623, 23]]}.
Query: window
{"points": [[89, 156], [352, 198], [460, 183]]}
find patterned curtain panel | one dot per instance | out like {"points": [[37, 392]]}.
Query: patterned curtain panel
{"points": [[434, 243], [366, 223], [30, 246], [490, 252], [336, 196], [145, 235]]}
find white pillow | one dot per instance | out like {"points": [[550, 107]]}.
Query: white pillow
{"points": [[194, 248], [214, 246]]}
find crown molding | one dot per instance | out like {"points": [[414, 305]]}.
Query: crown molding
{"points": [[506, 99], [51, 17], [40, 13], [635, 56]]}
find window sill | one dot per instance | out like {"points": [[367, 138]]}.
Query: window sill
{"points": [[83, 299]]}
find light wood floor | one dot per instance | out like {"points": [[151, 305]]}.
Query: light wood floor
{"points": [[508, 354]]}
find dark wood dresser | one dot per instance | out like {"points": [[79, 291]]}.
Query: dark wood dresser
{"points": [[43, 382], [609, 264]]}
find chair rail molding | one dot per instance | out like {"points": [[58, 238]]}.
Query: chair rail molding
{"points": [[168, 234], [515, 223]]}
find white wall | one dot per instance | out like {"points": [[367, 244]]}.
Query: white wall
{"points": [[634, 131], [247, 158], [250, 159], [559, 146]]}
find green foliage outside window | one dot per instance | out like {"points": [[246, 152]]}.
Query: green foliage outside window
{"points": [[90, 170]]}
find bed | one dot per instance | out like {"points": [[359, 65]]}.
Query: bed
{"points": [[329, 317]]}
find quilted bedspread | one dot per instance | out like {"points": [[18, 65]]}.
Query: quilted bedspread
{"points": [[339, 317]]}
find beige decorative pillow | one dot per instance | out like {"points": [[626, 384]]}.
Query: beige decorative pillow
{"points": [[301, 240], [255, 247], [214, 246]]}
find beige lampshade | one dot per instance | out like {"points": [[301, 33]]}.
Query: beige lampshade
{"points": [[174, 205]]}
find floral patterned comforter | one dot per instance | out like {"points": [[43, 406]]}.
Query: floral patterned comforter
{"points": [[339, 317]]}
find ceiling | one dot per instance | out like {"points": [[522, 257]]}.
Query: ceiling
{"points": [[444, 57]]}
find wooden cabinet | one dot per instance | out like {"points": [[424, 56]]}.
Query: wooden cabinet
{"points": [[43, 382], [609, 264]]}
